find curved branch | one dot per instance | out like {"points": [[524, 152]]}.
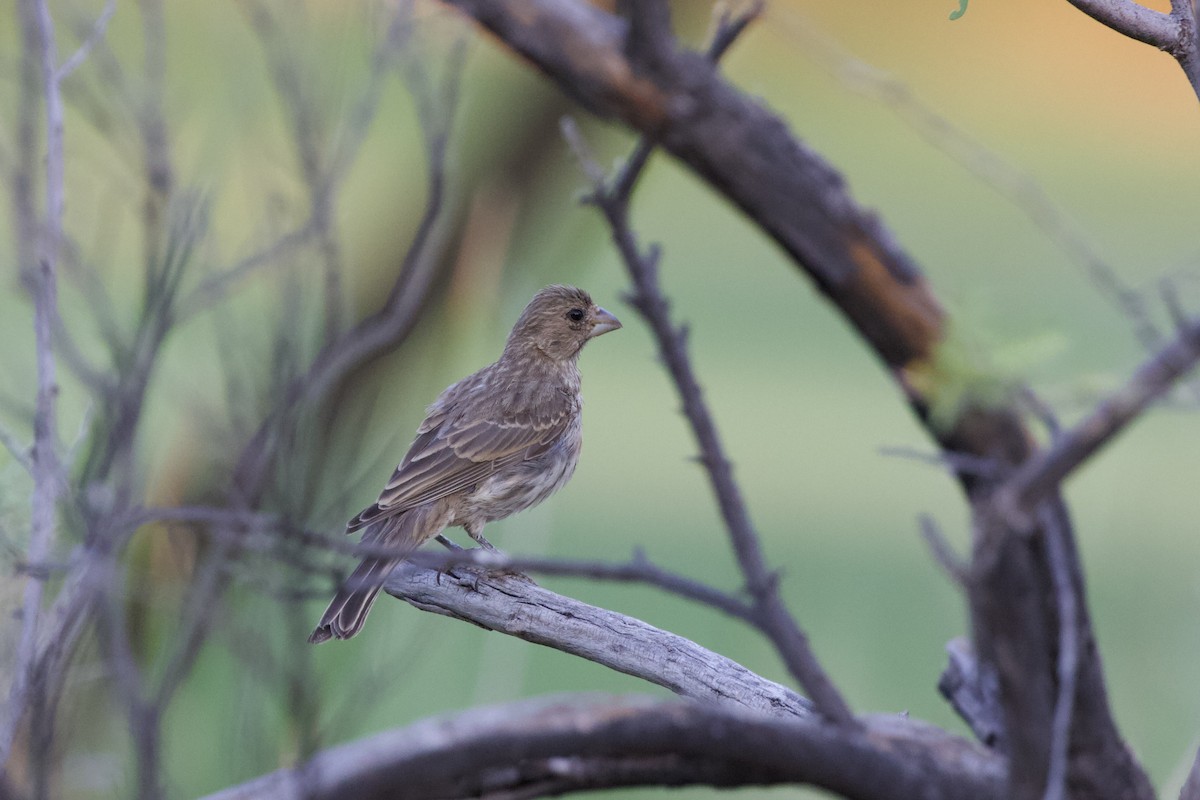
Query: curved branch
{"points": [[1133, 20], [574, 742], [742, 149], [1174, 32]]}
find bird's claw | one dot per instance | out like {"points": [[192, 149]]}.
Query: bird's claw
{"points": [[467, 577]]}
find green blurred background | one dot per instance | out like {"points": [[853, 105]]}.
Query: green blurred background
{"points": [[1049, 101]]}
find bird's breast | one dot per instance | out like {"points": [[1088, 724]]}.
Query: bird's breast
{"points": [[525, 484]]}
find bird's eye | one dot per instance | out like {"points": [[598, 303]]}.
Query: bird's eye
{"points": [[575, 314]]}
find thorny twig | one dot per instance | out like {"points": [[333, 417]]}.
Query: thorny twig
{"points": [[954, 565], [611, 197]]}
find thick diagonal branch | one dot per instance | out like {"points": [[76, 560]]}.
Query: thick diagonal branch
{"points": [[514, 605]]}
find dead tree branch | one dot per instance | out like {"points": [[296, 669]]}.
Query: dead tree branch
{"points": [[636, 570], [549, 746], [516, 606], [1174, 32], [973, 691], [1042, 475]]}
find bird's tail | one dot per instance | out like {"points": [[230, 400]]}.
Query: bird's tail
{"points": [[348, 610]]}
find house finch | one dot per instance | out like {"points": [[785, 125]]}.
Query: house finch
{"points": [[495, 443]]}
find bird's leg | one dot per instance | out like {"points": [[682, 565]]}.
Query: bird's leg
{"points": [[453, 547], [472, 573], [448, 543], [476, 533]]}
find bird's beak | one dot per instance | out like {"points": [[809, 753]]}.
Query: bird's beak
{"points": [[604, 323]]}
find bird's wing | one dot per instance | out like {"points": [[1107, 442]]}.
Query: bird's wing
{"points": [[459, 446]]}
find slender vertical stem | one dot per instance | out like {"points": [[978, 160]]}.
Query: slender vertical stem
{"points": [[40, 50]]}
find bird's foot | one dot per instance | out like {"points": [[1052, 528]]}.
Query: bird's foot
{"points": [[468, 576]]}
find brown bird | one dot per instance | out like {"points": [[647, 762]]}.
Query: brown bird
{"points": [[495, 443]]}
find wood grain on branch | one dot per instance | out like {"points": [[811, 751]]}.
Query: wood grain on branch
{"points": [[548, 746], [514, 605]]}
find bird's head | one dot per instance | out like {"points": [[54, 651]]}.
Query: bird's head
{"points": [[558, 322]]}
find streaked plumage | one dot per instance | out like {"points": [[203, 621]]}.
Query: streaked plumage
{"points": [[495, 443]]}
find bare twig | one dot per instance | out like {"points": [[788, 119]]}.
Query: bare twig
{"points": [[611, 197], [1042, 475], [1059, 560], [21, 453], [155, 152], [242, 524], [143, 717], [99, 28], [216, 287], [958, 463], [341, 158], [1132, 19], [954, 565], [40, 50]]}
